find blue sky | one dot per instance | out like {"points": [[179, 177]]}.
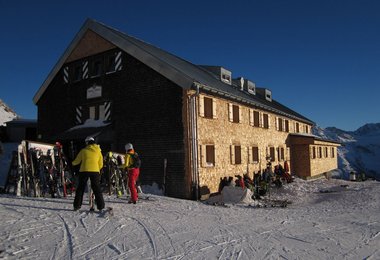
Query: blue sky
{"points": [[320, 58]]}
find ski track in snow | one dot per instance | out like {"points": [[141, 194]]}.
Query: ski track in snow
{"points": [[343, 224]]}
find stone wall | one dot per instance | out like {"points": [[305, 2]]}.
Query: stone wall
{"points": [[222, 133]]}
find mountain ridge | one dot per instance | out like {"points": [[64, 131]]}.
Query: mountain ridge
{"points": [[359, 151]]}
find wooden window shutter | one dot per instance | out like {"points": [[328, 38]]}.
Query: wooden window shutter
{"points": [[232, 150], [230, 112], [214, 115], [201, 106]]}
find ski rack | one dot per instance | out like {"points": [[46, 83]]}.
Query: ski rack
{"points": [[116, 177], [39, 165]]}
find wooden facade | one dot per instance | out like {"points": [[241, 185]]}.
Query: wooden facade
{"points": [[189, 128]]}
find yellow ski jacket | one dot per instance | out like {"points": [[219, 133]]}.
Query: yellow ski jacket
{"points": [[90, 159]]}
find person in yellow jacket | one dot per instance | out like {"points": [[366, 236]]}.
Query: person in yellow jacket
{"points": [[91, 162], [132, 165]]}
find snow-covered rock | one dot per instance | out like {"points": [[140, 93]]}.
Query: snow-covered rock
{"points": [[6, 113]]}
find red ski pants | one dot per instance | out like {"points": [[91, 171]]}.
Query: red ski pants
{"points": [[133, 174]]}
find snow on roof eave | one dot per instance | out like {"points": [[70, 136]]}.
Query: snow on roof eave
{"points": [[250, 102], [132, 49]]}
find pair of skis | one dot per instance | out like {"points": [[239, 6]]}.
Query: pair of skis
{"points": [[104, 212]]}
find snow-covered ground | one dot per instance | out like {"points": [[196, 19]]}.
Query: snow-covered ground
{"points": [[341, 222]]}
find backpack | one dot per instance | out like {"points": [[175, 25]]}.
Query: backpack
{"points": [[136, 160]]}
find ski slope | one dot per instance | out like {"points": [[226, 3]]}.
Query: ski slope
{"points": [[341, 222]]}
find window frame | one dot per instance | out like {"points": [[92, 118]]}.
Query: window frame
{"points": [[208, 107], [255, 154]]}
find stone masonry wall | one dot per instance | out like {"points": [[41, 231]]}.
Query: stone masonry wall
{"points": [[222, 133]]}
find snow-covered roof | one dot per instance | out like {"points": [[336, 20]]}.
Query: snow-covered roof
{"points": [[176, 69]]}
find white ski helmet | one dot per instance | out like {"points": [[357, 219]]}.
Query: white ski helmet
{"points": [[89, 139], [128, 147]]}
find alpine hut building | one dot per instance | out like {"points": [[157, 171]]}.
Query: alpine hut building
{"points": [[191, 124]]}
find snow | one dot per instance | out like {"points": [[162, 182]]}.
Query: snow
{"points": [[6, 113], [342, 222], [90, 123]]}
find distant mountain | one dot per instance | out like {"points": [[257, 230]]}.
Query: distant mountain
{"points": [[360, 150], [6, 113]]}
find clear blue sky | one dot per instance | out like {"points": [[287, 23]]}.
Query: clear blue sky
{"points": [[320, 58]]}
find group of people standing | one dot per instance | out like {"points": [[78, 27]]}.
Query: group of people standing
{"points": [[90, 159]]}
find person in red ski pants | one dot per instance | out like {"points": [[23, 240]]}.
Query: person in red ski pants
{"points": [[132, 165]]}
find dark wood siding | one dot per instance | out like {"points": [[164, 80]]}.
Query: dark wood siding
{"points": [[146, 111]]}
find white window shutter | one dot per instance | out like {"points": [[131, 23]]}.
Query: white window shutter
{"points": [[261, 123], [251, 117], [269, 124], [214, 108], [201, 106], [276, 122], [232, 147], [230, 112]]}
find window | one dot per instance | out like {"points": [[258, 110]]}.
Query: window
{"points": [[111, 63], [272, 154], [332, 152], [235, 154], [266, 120], [281, 153], [99, 111], [234, 113], [306, 129], [287, 126], [226, 78], [280, 120], [210, 155], [319, 152], [77, 72], [235, 117], [297, 128], [314, 153], [326, 152], [97, 67], [255, 154], [256, 118], [208, 108]]}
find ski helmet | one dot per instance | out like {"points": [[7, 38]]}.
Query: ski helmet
{"points": [[89, 139], [128, 147]]}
